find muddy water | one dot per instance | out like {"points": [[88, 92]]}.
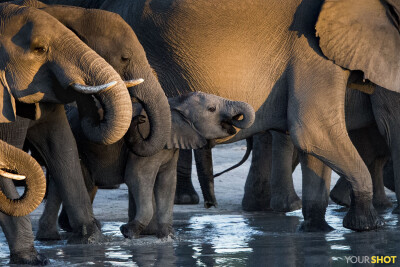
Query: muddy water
{"points": [[256, 239]]}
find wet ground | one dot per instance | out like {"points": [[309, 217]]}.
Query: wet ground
{"points": [[225, 236]]}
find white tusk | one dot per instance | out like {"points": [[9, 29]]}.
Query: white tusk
{"points": [[12, 175], [87, 89], [134, 82]]}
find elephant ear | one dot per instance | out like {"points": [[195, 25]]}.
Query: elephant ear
{"points": [[363, 35], [7, 101], [183, 133]]}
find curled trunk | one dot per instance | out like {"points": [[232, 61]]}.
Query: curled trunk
{"points": [[15, 160], [115, 103], [155, 103], [242, 114]]}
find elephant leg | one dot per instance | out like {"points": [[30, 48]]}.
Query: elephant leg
{"points": [[63, 220], [18, 232], [257, 190], [52, 136], [317, 126], [140, 175], [283, 195], [152, 227], [316, 184], [384, 104], [340, 193], [164, 192], [48, 221], [380, 199], [205, 172], [185, 192]]}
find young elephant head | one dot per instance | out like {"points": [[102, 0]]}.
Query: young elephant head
{"points": [[198, 117], [42, 61]]}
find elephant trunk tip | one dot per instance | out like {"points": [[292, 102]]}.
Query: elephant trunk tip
{"points": [[245, 117]]}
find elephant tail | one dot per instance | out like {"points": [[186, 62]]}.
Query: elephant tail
{"points": [[249, 144]]}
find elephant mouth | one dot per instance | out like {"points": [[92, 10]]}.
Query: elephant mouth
{"points": [[228, 127]]}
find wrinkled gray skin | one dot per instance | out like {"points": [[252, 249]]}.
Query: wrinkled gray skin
{"points": [[279, 67], [196, 118], [129, 60], [269, 183], [43, 59], [18, 230]]}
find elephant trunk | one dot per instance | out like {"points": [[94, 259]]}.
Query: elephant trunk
{"points": [[115, 104], [16, 160], [155, 103], [241, 114]]}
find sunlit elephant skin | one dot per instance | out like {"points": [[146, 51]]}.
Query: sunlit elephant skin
{"points": [[294, 80], [196, 118], [129, 60], [46, 62]]}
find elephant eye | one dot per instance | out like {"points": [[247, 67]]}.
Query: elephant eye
{"points": [[39, 49], [212, 109], [124, 59]]}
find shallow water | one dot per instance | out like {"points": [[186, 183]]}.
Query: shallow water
{"points": [[252, 239]]}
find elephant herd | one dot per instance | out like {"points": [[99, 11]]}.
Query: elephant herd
{"points": [[104, 92]]}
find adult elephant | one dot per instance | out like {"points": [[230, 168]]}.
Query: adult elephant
{"points": [[129, 60], [43, 61], [280, 67]]}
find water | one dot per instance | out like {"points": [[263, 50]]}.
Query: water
{"points": [[252, 239]]}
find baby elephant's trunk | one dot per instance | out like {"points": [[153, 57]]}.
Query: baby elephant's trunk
{"points": [[241, 114]]}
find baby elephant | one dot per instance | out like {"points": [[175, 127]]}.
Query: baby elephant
{"points": [[197, 118]]}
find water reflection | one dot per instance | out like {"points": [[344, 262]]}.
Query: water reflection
{"points": [[252, 239]]}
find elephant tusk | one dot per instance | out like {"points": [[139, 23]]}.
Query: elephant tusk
{"points": [[87, 89], [134, 82], [12, 175]]}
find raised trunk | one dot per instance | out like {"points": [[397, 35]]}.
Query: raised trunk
{"points": [[15, 160], [242, 114]]}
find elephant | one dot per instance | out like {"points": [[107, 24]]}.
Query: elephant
{"points": [[18, 229], [43, 61], [197, 119], [269, 183], [129, 60], [290, 60]]}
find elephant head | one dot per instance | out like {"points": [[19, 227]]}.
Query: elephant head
{"points": [[42, 61], [14, 160], [367, 40], [198, 117], [113, 39]]}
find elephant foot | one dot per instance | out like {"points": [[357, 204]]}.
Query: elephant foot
{"points": [[87, 234], [362, 218], [340, 194], [381, 203], [186, 198], [47, 235], [285, 203], [30, 257], [251, 203], [132, 229], [165, 232], [209, 204], [315, 226]]}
